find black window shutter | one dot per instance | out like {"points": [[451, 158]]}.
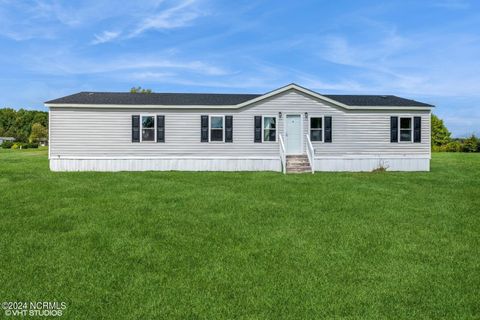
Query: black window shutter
{"points": [[258, 129], [135, 128], [328, 129], [204, 129], [160, 128], [417, 129], [228, 128], [393, 129]]}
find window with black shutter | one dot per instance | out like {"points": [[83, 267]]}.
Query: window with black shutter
{"points": [[316, 129], [216, 128], [328, 129], [393, 129], [228, 128], [204, 129], [417, 129], [136, 128], [160, 128], [405, 129], [148, 128], [269, 128], [257, 133]]}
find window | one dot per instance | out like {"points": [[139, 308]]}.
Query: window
{"points": [[216, 128], [269, 129], [316, 129], [406, 129], [148, 128]]}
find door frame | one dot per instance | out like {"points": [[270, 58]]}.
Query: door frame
{"points": [[301, 131]]}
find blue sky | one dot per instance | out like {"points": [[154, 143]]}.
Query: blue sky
{"points": [[427, 50]]}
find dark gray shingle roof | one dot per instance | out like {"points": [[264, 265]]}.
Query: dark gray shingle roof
{"points": [[214, 99], [375, 100], [170, 99]]}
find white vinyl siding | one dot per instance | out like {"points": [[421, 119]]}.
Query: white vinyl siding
{"points": [[102, 132]]}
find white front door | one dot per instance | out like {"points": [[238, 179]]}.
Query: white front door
{"points": [[293, 134]]}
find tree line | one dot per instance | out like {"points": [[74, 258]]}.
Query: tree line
{"points": [[23, 125], [443, 142]]}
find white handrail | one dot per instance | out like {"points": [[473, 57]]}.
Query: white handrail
{"points": [[283, 154], [310, 153]]}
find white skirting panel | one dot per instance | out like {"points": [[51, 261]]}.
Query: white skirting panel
{"points": [[169, 164], [370, 164], [351, 164]]}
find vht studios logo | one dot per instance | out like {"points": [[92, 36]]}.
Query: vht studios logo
{"points": [[34, 308]]}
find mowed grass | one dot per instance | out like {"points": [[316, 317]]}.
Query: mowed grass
{"points": [[182, 245]]}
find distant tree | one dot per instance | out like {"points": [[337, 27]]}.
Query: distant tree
{"points": [[38, 132], [18, 124], [470, 144], [40, 117], [7, 122], [140, 90], [440, 133], [23, 124]]}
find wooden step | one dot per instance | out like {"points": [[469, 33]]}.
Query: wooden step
{"points": [[298, 164], [299, 170]]}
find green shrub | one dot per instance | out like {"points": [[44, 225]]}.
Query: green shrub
{"points": [[6, 144], [470, 144], [453, 146], [32, 145], [23, 145]]}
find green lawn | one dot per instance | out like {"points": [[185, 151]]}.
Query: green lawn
{"points": [[242, 245]]}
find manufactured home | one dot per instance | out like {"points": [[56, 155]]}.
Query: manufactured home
{"points": [[290, 129], [4, 139]]}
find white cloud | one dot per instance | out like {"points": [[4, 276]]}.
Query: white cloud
{"points": [[105, 36], [19, 22], [165, 18], [419, 64], [152, 76], [65, 62], [49, 19], [177, 16]]}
